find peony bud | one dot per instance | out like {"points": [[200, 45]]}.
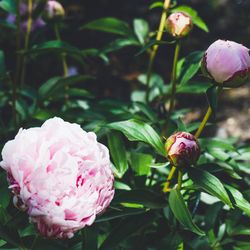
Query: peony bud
{"points": [[53, 11], [179, 24], [182, 149], [227, 63], [60, 175]]}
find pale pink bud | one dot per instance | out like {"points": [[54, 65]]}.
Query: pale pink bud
{"points": [[179, 24], [60, 174], [53, 11], [227, 63], [182, 149]]}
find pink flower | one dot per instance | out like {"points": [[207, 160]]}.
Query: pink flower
{"points": [[179, 24], [60, 174], [182, 149], [227, 62], [53, 10]]}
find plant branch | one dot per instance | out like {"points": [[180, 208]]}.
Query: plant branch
{"points": [[155, 47]]}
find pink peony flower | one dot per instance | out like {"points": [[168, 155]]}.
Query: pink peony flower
{"points": [[182, 149], [60, 174], [227, 62], [53, 10], [179, 24]]}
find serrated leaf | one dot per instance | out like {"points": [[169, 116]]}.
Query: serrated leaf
{"points": [[136, 130], [194, 14], [181, 212], [210, 184], [118, 152], [109, 25]]}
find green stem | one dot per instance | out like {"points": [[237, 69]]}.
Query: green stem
{"points": [[63, 56], [18, 42], [170, 177], [26, 42], [155, 47], [174, 83], [204, 122], [179, 180]]}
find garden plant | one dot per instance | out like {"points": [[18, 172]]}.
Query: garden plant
{"points": [[90, 167]]}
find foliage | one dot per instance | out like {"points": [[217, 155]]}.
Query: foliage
{"points": [[212, 209]]}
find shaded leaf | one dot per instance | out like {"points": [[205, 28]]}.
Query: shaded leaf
{"points": [[9, 6], [136, 130], [140, 163], [145, 197], [240, 201], [109, 25], [141, 29], [118, 152], [181, 212], [210, 184]]}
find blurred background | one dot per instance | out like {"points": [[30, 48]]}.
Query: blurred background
{"points": [[226, 19]]}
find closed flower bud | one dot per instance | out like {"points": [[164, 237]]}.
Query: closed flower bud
{"points": [[179, 24], [182, 149], [53, 11], [227, 63]]}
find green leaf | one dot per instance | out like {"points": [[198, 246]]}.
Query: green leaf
{"points": [[181, 212], [119, 44], [54, 85], [150, 44], [212, 97], [6, 24], [118, 152], [210, 184], [146, 110], [193, 88], [156, 5], [190, 66], [55, 46], [141, 29], [239, 199], [109, 25], [140, 163], [125, 229], [2, 63], [145, 197], [195, 17], [136, 130], [9, 6], [115, 214], [215, 143]]}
